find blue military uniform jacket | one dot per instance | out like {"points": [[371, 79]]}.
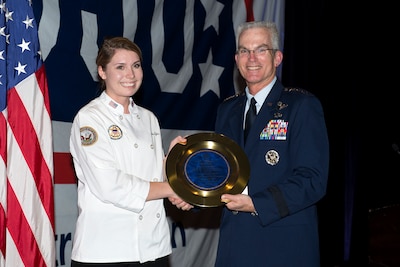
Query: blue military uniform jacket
{"points": [[288, 151]]}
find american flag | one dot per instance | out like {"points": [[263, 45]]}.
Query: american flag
{"points": [[27, 235]]}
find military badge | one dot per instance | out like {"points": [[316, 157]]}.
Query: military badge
{"points": [[275, 130], [115, 132], [272, 157], [281, 105], [88, 136]]}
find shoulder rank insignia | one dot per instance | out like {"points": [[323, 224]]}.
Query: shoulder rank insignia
{"points": [[232, 97], [299, 90]]}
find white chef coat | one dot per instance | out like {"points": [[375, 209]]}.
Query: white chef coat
{"points": [[115, 157]]}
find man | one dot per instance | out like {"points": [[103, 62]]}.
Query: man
{"points": [[274, 221]]}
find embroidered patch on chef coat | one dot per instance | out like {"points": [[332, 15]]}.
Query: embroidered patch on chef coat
{"points": [[88, 136], [272, 157], [115, 132]]}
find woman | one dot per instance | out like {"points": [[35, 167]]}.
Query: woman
{"points": [[118, 158]]}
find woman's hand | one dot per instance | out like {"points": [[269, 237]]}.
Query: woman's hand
{"points": [[179, 139], [180, 203]]}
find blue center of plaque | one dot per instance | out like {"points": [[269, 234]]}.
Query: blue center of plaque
{"points": [[207, 169]]}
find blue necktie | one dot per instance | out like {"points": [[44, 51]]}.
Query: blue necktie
{"points": [[250, 116]]}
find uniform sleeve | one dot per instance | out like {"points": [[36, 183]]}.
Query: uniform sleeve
{"points": [[96, 167], [302, 182]]}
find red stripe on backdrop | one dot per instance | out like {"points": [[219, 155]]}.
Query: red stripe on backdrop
{"points": [[21, 233], [21, 126], [63, 169], [249, 10]]}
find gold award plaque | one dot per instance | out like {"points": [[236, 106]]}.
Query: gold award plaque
{"points": [[207, 166]]}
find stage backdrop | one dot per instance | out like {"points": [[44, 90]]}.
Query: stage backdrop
{"points": [[188, 50]]}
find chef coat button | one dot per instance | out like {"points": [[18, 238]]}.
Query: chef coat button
{"points": [[136, 145], [121, 117], [141, 217], [137, 116], [152, 146], [158, 215]]}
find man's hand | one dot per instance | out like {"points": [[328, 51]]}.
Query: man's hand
{"points": [[239, 202]]}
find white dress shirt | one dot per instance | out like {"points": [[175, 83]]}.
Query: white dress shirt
{"points": [[260, 98]]}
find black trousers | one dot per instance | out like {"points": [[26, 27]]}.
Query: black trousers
{"points": [[161, 262]]}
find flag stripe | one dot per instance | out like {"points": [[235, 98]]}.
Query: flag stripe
{"points": [[21, 233], [41, 78], [21, 115], [3, 185], [34, 193]]}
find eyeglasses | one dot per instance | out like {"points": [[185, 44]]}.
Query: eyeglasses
{"points": [[260, 51]]}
